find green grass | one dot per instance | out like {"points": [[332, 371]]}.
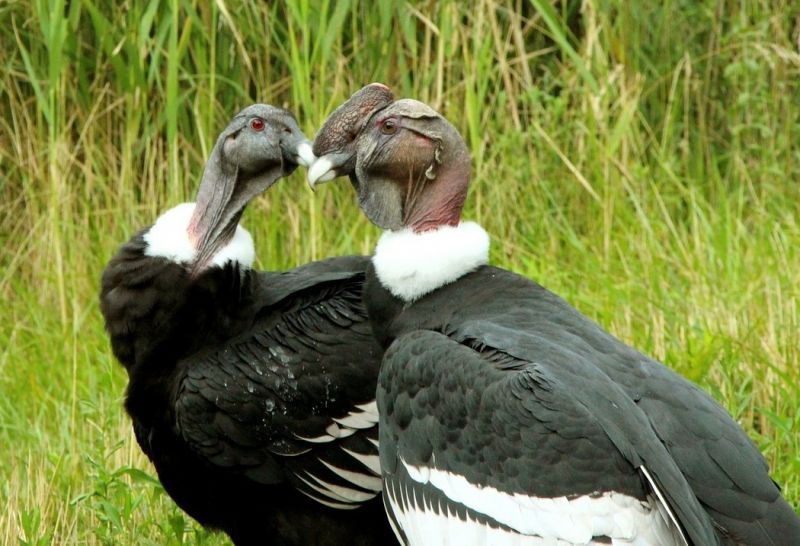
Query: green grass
{"points": [[643, 162]]}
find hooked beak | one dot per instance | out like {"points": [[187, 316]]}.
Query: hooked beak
{"points": [[328, 167], [334, 142], [298, 150]]}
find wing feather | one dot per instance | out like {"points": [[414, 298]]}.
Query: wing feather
{"points": [[550, 426], [292, 399]]}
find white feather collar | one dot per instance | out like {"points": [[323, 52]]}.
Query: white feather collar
{"points": [[411, 265], [169, 238]]}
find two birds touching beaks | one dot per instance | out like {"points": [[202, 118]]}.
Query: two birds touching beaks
{"points": [[484, 409]]}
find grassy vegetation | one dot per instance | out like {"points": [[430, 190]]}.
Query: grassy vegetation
{"points": [[643, 162]]}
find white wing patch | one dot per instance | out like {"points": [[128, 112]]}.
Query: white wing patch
{"points": [[368, 483], [169, 238], [663, 507], [363, 417], [338, 492], [429, 525], [336, 505], [531, 520], [373, 462]]}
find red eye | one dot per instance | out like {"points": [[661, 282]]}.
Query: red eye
{"points": [[257, 124]]}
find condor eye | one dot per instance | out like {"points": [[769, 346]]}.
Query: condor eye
{"points": [[257, 124], [389, 127]]}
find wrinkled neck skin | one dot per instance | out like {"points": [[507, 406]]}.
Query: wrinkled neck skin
{"points": [[217, 211], [212, 196], [440, 201]]}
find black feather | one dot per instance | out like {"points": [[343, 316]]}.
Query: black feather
{"points": [[228, 371], [494, 378]]}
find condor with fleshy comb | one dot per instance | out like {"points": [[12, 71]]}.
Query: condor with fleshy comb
{"points": [[252, 393], [506, 416]]}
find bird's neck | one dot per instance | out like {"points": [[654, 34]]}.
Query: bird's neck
{"points": [[438, 202], [443, 213]]}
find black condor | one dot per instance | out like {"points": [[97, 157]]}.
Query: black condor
{"points": [[253, 393], [506, 416]]}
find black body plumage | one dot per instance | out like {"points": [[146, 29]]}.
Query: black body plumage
{"points": [[498, 380], [235, 379]]}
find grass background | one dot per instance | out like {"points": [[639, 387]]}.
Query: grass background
{"points": [[639, 158]]}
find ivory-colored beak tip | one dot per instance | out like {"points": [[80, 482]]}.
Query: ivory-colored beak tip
{"points": [[320, 171], [305, 155]]}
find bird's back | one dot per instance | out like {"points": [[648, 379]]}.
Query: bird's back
{"points": [[492, 309]]}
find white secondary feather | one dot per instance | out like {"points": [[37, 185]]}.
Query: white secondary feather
{"points": [[663, 506], [370, 408], [341, 492], [411, 265], [316, 439], [373, 462], [169, 238], [340, 496], [427, 525], [336, 505], [337, 500], [368, 482], [335, 431], [363, 417], [532, 520]]}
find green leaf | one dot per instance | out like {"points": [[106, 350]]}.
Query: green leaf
{"points": [[556, 27]]}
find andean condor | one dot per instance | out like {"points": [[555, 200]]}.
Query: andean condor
{"points": [[506, 416], [253, 393]]}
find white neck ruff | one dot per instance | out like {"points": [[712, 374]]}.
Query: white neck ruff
{"points": [[169, 238], [411, 265]]}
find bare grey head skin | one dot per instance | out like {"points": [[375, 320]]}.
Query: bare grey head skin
{"points": [[408, 164], [260, 145]]}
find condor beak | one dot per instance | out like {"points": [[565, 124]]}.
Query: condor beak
{"points": [[305, 156], [334, 142], [327, 168], [297, 150]]}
